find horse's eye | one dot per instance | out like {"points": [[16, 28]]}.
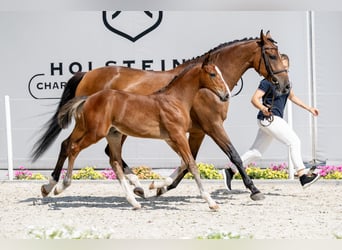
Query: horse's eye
{"points": [[273, 57], [212, 75]]}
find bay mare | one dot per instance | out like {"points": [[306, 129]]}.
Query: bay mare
{"points": [[163, 115], [207, 113]]}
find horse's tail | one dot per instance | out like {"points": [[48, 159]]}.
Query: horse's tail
{"points": [[53, 128], [73, 108]]}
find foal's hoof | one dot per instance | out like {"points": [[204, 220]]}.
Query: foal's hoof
{"points": [[258, 196], [161, 191], [139, 192], [58, 190], [43, 191], [214, 207], [151, 186], [137, 206]]}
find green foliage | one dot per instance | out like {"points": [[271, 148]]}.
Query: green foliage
{"points": [[334, 175], [207, 171], [338, 236], [268, 173], [223, 236], [258, 173], [144, 172], [87, 173], [65, 232], [37, 176]]}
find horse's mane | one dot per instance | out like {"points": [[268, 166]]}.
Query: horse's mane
{"points": [[185, 70], [190, 63], [222, 45]]}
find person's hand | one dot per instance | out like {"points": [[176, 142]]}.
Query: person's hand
{"points": [[266, 111], [314, 111]]}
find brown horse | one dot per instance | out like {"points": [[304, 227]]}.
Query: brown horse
{"points": [[207, 113], [162, 115]]}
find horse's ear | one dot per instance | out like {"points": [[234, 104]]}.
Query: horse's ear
{"points": [[268, 34], [206, 60], [262, 37]]}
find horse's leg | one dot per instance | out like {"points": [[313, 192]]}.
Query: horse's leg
{"points": [[180, 144], [114, 143], [205, 195], [208, 114], [77, 141], [133, 179], [127, 170], [68, 176], [218, 134], [195, 141], [53, 180]]}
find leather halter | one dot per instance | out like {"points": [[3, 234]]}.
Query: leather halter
{"points": [[268, 66], [272, 74]]}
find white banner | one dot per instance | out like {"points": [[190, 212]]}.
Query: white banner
{"points": [[42, 49]]}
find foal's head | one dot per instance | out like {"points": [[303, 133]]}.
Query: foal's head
{"points": [[211, 78]]}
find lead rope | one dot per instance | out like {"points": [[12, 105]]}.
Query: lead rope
{"points": [[269, 118], [240, 88]]}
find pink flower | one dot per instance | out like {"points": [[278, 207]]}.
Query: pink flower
{"points": [[279, 167], [108, 173], [22, 173], [325, 170]]}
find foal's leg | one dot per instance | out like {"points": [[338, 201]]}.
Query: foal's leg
{"points": [[133, 179], [180, 145], [205, 195], [127, 170], [68, 176], [114, 143], [77, 141], [195, 141], [53, 180]]}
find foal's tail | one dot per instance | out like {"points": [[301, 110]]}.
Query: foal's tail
{"points": [[71, 109], [53, 128]]}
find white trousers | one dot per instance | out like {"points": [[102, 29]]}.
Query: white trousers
{"points": [[280, 130]]}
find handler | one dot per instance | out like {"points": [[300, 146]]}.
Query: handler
{"points": [[273, 126]]}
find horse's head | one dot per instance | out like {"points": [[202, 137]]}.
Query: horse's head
{"points": [[270, 64], [211, 78]]}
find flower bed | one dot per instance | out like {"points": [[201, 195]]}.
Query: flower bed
{"points": [[330, 172], [87, 173], [275, 171], [207, 171]]}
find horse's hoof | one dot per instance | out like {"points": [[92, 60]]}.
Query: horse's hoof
{"points": [[257, 196], [139, 192], [214, 207], [43, 191], [161, 191]]}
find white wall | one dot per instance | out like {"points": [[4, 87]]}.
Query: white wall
{"points": [[328, 35], [33, 41]]}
